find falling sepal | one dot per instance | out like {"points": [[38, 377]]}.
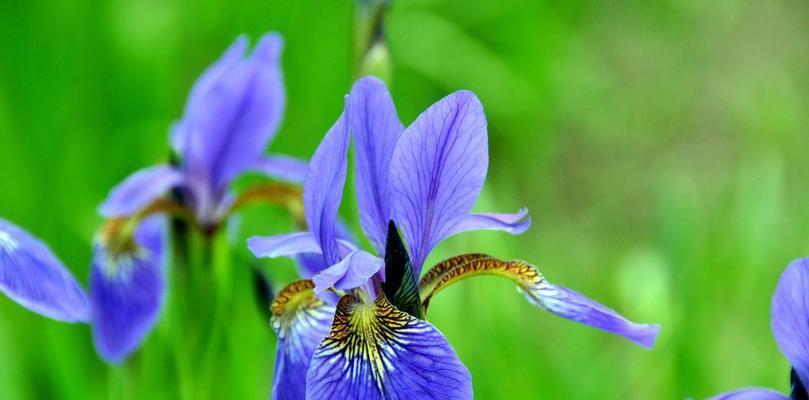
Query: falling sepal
{"points": [[559, 300], [127, 285], [301, 321], [32, 276], [400, 281], [375, 351]]}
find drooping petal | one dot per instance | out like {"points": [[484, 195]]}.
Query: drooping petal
{"points": [[751, 394], [323, 187], [285, 168], [438, 170], [140, 189], [376, 129], [126, 292], [301, 321], [790, 308], [34, 278], [232, 112], [285, 245], [514, 224], [559, 300], [375, 351], [574, 306], [351, 272]]}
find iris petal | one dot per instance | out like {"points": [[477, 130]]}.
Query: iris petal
{"points": [[301, 321], [561, 301], [231, 57], [375, 351], [376, 129], [574, 306], [514, 224], [285, 245], [790, 307], [34, 278], [751, 394], [285, 168], [323, 187], [438, 170], [292, 244], [351, 272], [249, 122], [140, 189], [232, 113], [188, 136], [126, 292]]}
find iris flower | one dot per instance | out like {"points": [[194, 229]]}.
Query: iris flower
{"points": [[126, 283], [232, 113], [374, 342], [790, 325]]}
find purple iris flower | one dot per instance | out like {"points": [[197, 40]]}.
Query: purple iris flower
{"points": [[126, 283], [790, 325], [232, 113], [374, 342]]}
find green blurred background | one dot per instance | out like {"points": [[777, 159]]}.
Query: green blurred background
{"points": [[662, 148]]}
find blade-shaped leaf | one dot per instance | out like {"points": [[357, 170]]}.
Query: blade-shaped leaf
{"points": [[400, 281]]}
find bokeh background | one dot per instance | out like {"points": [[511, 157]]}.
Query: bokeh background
{"points": [[662, 148]]}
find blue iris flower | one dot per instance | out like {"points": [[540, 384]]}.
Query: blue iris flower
{"points": [[231, 115], [373, 341], [790, 325]]}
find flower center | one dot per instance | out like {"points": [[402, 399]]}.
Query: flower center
{"points": [[6, 242]]}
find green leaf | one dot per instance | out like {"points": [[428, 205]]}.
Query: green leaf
{"points": [[400, 286]]}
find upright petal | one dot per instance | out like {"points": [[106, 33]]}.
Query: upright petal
{"points": [[437, 171], [376, 129], [790, 316], [127, 291], [375, 351], [561, 301], [34, 278], [285, 168], [140, 189], [351, 272], [750, 394], [301, 321], [183, 140], [323, 187], [232, 112], [258, 113]]}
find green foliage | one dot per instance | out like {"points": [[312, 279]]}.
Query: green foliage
{"points": [[662, 148]]}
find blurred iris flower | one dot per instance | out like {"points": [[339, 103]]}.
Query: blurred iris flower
{"points": [[374, 342], [232, 113], [790, 325], [126, 283]]}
